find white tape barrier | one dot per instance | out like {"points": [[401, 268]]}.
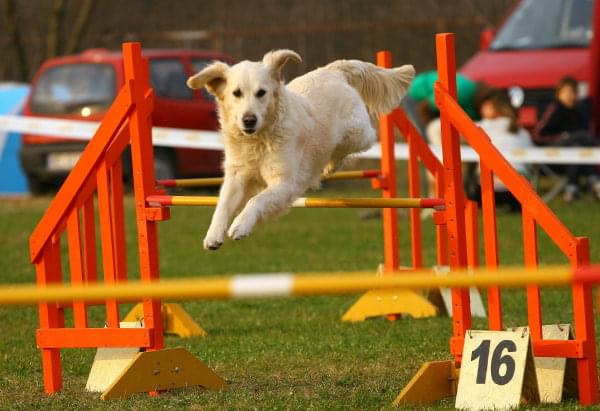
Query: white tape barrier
{"points": [[211, 140], [533, 155], [84, 130]]}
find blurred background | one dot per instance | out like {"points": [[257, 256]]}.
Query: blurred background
{"points": [[62, 61], [320, 31]]}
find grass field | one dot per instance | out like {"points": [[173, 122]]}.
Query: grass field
{"points": [[276, 353]]}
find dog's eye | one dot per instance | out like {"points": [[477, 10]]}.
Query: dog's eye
{"points": [[237, 92], [260, 93]]}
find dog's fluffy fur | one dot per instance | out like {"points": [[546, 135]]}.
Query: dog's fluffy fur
{"points": [[280, 139]]}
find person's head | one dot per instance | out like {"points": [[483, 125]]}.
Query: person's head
{"points": [[425, 113], [482, 91], [488, 109], [566, 91], [496, 104]]}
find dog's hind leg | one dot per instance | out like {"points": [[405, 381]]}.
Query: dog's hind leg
{"points": [[359, 136]]}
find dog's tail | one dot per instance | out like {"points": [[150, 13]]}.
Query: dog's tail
{"points": [[381, 89]]}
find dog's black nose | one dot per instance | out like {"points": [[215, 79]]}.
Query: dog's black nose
{"points": [[249, 121]]}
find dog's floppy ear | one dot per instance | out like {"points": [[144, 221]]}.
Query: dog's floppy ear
{"points": [[213, 77], [276, 59]]}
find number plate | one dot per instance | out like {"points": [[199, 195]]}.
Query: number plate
{"points": [[62, 161], [497, 371]]}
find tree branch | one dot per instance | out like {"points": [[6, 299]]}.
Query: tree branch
{"points": [[54, 26], [81, 23], [15, 38]]}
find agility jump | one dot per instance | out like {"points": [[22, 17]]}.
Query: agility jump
{"points": [[217, 181], [128, 121], [298, 284], [303, 202]]}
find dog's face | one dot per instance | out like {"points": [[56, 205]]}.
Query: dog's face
{"points": [[248, 92]]}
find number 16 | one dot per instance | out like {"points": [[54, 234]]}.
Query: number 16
{"points": [[482, 353]]}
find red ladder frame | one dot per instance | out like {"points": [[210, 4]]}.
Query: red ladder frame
{"points": [[534, 213], [99, 170]]}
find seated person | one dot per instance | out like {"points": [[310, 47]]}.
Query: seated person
{"points": [[566, 122], [500, 122]]}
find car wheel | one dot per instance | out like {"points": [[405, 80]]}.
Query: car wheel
{"points": [[164, 164], [36, 187]]}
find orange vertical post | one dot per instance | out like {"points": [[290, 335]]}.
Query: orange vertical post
{"points": [[76, 266], [472, 227], [142, 158], [118, 220], [108, 240], [391, 250], [534, 303], [583, 312], [490, 241], [454, 195], [441, 230], [89, 241], [420, 151], [414, 191], [388, 189], [47, 272]]}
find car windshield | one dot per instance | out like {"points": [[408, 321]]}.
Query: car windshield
{"points": [[538, 24], [81, 89]]}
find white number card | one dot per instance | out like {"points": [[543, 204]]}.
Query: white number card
{"points": [[497, 371]]}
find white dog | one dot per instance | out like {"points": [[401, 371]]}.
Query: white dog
{"points": [[280, 139]]}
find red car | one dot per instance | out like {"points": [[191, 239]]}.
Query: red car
{"points": [[83, 86], [538, 43]]}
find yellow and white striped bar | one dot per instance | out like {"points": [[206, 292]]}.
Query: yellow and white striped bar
{"points": [[217, 181], [286, 284], [304, 202], [191, 182]]}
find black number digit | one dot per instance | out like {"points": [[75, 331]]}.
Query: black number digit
{"points": [[498, 359], [482, 352]]}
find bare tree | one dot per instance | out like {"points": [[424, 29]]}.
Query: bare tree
{"points": [[12, 30], [53, 41], [322, 30], [81, 23]]}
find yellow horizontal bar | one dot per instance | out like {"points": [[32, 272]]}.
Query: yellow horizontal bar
{"points": [[199, 182], [362, 203], [194, 201], [302, 284], [217, 181], [314, 202], [345, 175]]}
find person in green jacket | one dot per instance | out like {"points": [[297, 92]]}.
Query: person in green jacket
{"points": [[421, 90], [420, 101], [421, 108]]}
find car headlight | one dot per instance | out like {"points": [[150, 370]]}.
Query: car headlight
{"points": [[517, 96], [583, 89]]}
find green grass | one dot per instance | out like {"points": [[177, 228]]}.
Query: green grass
{"points": [[276, 353]]}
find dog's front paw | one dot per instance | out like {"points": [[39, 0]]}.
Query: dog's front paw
{"points": [[240, 228], [212, 242]]}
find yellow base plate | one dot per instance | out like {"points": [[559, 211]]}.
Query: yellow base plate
{"points": [[161, 370], [433, 382], [376, 303], [176, 320]]}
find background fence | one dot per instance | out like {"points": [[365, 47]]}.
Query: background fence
{"points": [[320, 30]]}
